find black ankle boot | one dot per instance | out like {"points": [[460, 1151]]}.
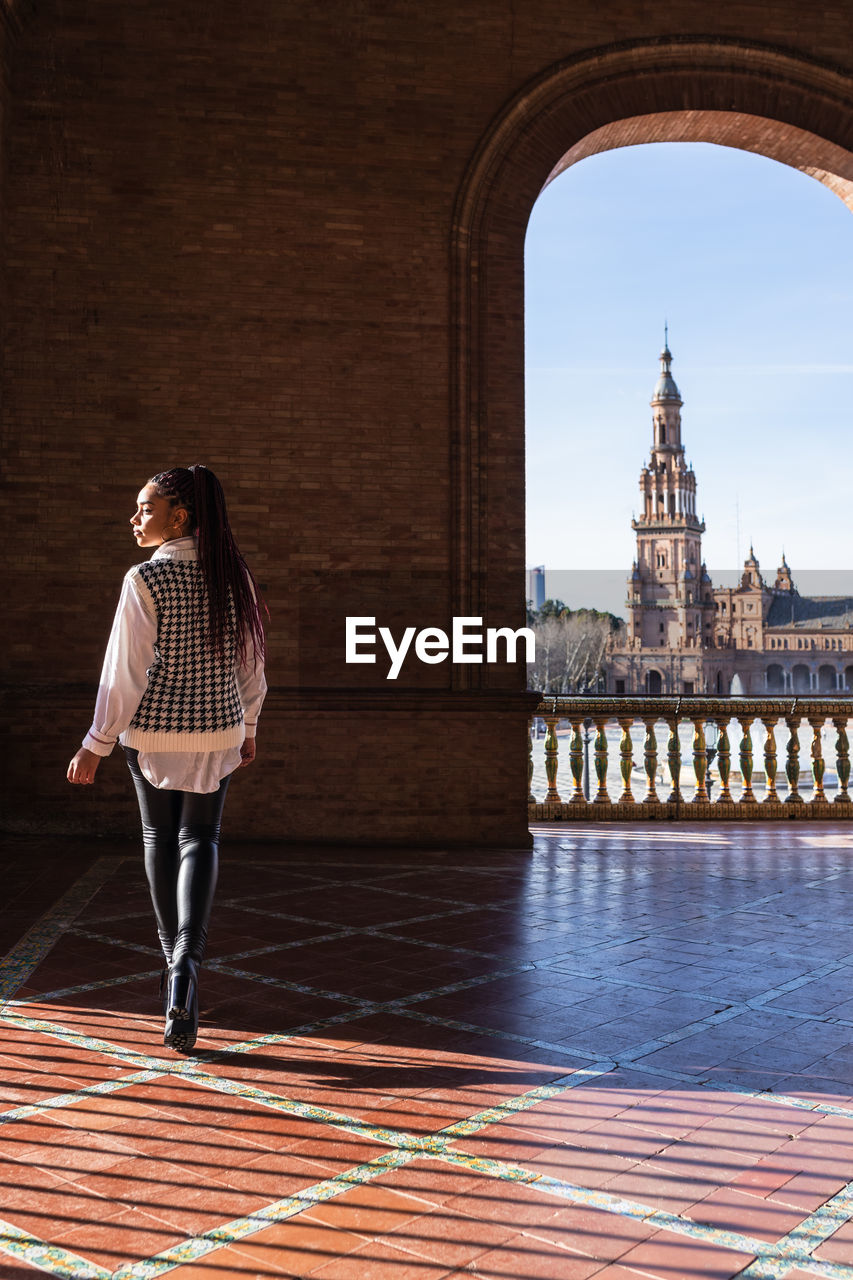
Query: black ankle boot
{"points": [[167, 945], [181, 1005]]}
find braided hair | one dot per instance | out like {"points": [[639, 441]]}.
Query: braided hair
{"points": [[228, 579]]}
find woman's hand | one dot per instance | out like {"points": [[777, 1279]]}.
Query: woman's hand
{"points": [[84, 766], [247, 752]]}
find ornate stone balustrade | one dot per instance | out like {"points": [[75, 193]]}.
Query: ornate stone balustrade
{"points": [[768, 788]]}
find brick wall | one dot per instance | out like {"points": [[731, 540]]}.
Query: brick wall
{"points": [[232, 235]]}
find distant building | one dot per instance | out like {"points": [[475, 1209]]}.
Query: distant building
{"points": [[684, 635], [536, 586]]}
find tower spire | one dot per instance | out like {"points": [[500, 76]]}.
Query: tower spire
{"points": [[665, 388]]}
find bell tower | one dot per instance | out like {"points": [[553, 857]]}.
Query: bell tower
{"points": [[670, 605]]}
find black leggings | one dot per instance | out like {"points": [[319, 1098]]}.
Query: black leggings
{"points": [[180, 836]]}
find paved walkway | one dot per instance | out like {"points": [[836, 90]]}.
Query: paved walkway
{"points": [[626, 1054]]}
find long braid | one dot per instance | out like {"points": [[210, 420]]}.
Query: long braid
{"points": [[228, 579]]}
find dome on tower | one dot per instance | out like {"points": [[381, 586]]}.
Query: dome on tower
{"points": [[665, 388]]}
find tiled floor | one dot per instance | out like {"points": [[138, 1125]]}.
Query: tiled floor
{"points": [[628, 1053]]}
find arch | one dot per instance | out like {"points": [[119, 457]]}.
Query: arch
{"points": [[826, 678], [653, 682], [848, 678], [800, 678], [775, 678], [732, 92]]}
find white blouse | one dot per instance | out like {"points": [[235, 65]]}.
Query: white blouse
{"points": [[124, 678]]}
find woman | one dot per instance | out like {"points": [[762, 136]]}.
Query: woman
{"points": [[181, 689]]}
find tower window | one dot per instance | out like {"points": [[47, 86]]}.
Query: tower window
{"points": [[662, 434]]}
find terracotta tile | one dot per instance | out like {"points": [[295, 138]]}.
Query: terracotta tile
{"points": [[591, 1232], [764, 1178], [23, 1083], [735, 1210], [379, 1260], [367, 1210], [44, 1205], [658, 1190], [434, 1182], [704, 1161], [622, 1138], [274, 1174], [672, 1257], [767, 1113], [839, 1246], [809, 1189], [116, 1240], [61, 1149], [514, 1204], [416, 1115], [222, 1264], [616, 1271], [587, 1166], [533, 1260], [449, 1237], [296, 1246], [501, 1142]]}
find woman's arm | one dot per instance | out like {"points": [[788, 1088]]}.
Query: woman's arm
{"points": [[124, 677], [252, 688]]}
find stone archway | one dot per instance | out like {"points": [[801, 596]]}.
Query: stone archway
{"points": [[775, 678], [826, 678], [734, 93], [653, 683], [800, 678]]}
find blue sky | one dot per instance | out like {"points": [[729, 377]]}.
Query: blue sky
{"points": [[751, 262]]}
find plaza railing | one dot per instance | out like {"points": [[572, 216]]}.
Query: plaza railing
{"points": [[654, 786]]}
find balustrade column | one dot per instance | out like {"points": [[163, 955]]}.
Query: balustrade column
{"points": [[724, 761], [700, 761], [842, 755], [650, 762], [626, 759], [531, 799], [792, 763], [818, 762], [601, 796], [673, 756], [576, 762], [747, 796], [552, 795], [769, 723]]}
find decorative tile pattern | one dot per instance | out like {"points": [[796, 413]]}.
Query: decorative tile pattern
{"points": [[666, 1017]]}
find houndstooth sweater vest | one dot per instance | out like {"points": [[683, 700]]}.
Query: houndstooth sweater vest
{"points": [[191, 701]]}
